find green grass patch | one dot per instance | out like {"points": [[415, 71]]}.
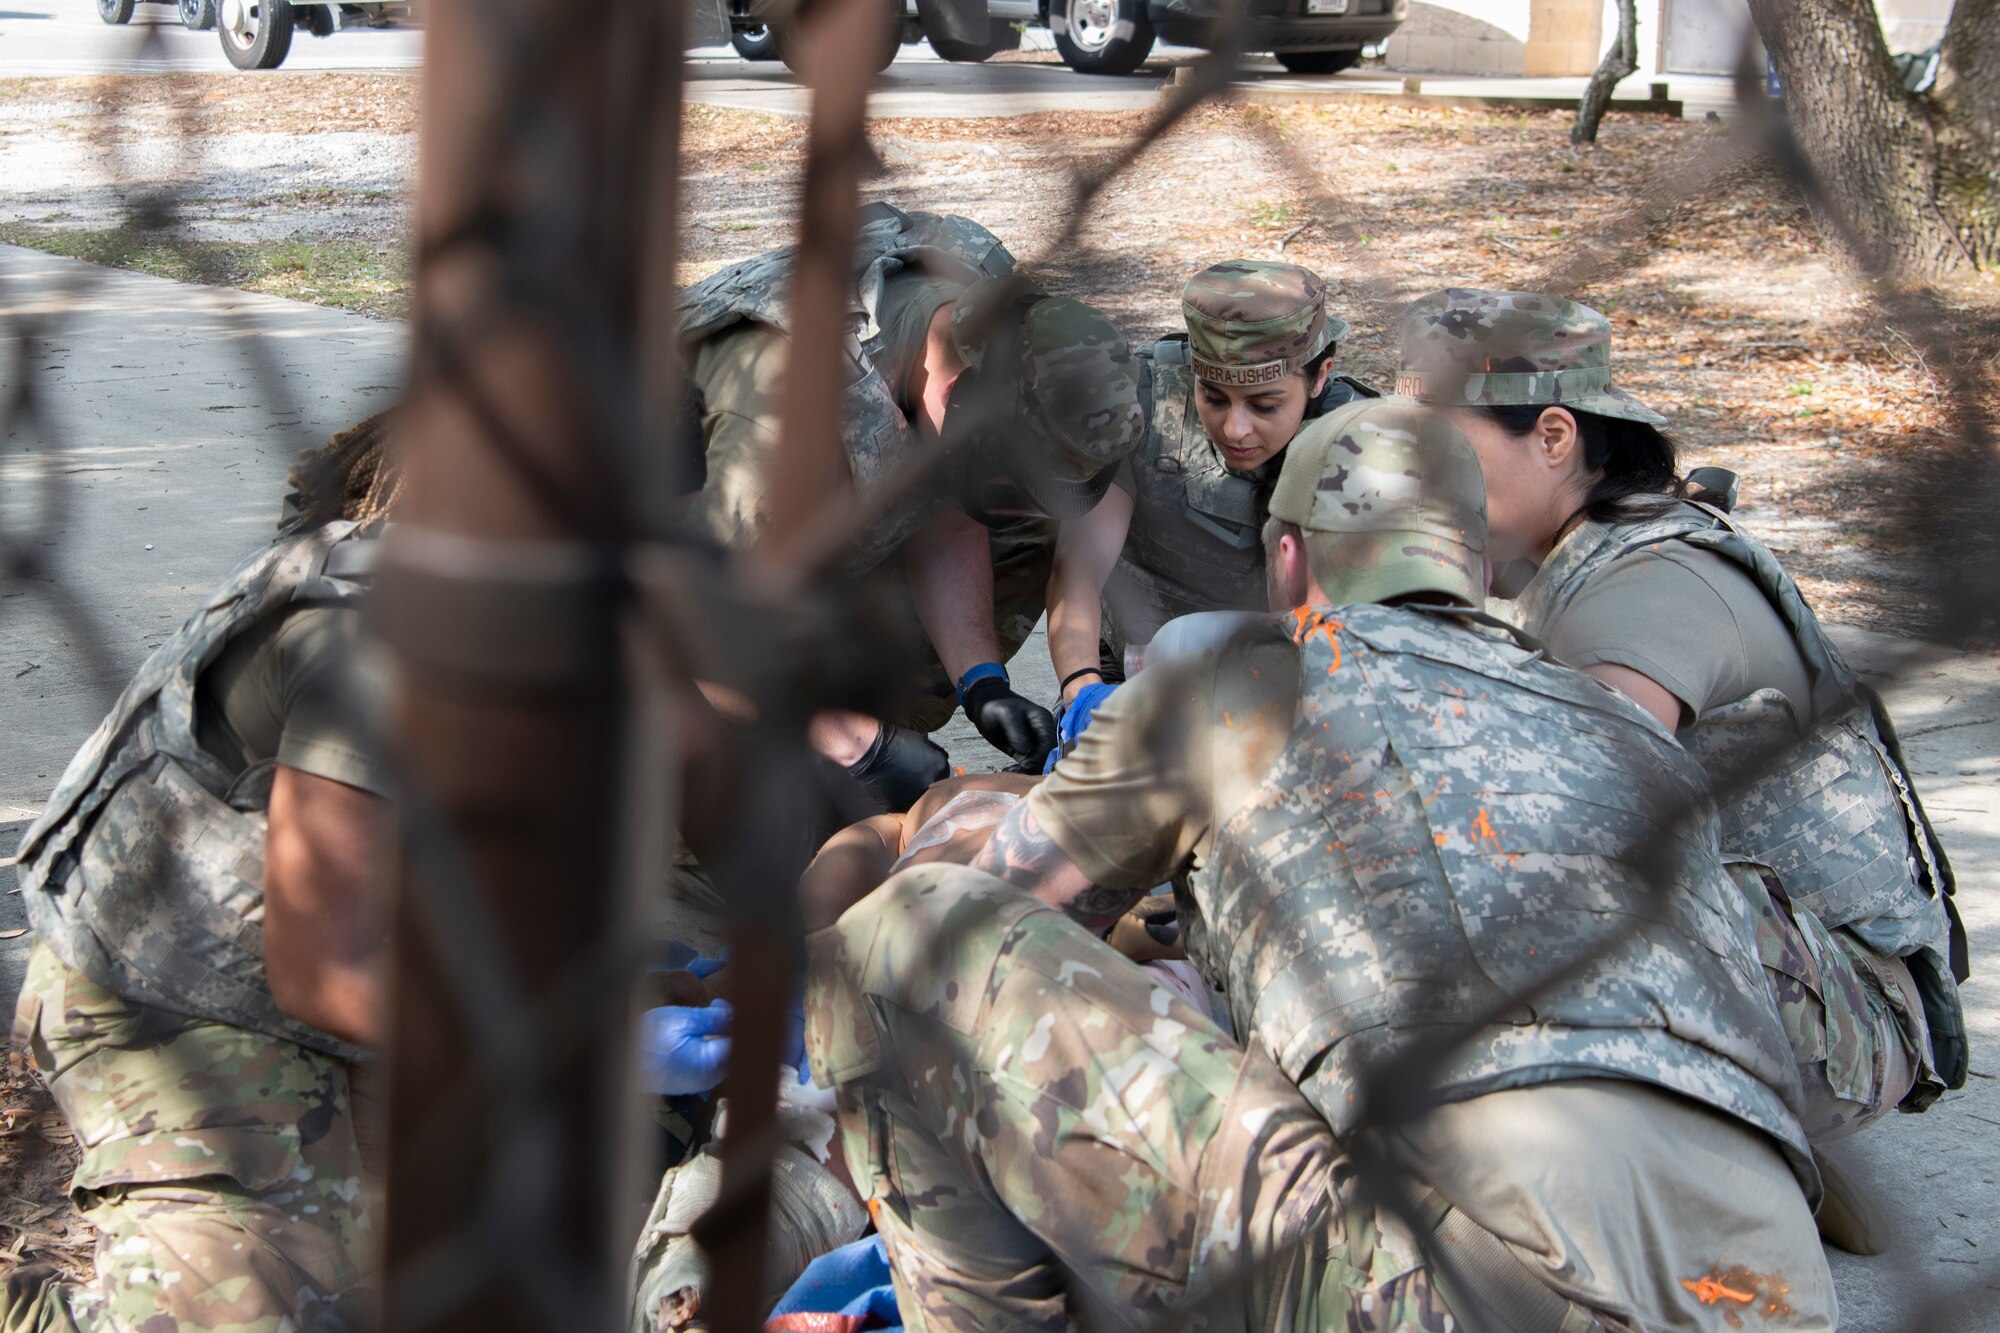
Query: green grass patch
{"points": [[353, 275]]}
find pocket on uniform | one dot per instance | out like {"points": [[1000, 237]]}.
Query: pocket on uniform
{"points": [[256, 1158]]}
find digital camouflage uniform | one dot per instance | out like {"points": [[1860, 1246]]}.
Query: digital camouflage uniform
{"points": [[1849, 886], [1449, 822], [1195, 542], [219, 1161], [1062, 408]]}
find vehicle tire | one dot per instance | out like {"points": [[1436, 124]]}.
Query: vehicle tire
{"points": [[197, 15], [1102, 36], [256, 34], [321, 20], [758, 43], [1319, 62], [116, 11]]}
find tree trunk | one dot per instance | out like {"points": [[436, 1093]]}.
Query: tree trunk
{"points": [[1915, 174], [1965, 105], [1620, 59]]}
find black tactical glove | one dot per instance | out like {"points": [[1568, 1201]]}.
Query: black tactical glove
{"points": [[900, 766], [1012, 725]]}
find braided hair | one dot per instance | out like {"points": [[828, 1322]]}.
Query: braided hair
{"points": [[352, 476]]}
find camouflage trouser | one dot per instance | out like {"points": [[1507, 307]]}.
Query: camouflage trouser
{"points": [[1023, 552], [1854, 1018], [219, 1168], [1043, 1131]]}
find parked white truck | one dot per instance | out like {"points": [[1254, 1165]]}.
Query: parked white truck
{"points": [[1094, 36], [257, 34]]}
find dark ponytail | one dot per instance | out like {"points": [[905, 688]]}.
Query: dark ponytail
{"points": [[1637, 464]]}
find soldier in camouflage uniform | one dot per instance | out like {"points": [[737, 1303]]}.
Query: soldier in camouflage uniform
{"points": [[210, 1097], [1179, 530], [1387, 822], [1032, 398], [1671, 601]]}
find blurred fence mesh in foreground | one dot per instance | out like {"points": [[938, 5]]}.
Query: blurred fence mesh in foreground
{"points": [[552, 617]]}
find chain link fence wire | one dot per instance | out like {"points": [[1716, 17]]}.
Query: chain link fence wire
{"points": [[557, 617]]}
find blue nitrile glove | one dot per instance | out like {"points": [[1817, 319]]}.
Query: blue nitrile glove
{"points": [[1073, 717], [795, 1034], [1014, 726], [1076, 714], [683, 1050]]}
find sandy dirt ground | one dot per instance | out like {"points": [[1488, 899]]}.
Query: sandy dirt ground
{"points": [[1730, 316]]}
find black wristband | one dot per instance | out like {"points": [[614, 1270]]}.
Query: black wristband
{"points": [[1086, 671]]}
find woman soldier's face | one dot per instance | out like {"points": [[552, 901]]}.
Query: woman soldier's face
{"points": [[1252, 425]]}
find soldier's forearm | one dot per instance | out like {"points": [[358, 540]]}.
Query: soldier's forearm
{"points": [[1076, 617], [950, 569]]}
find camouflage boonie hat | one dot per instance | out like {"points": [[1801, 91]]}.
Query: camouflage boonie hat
{"points": [[1466, 348], [1077, 381], [1251, 322], [1391, 501]]}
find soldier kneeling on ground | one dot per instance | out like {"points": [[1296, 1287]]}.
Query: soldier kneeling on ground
{"points": [[1645, 580], [204, 978], [1401, 841], [815, 1208]]}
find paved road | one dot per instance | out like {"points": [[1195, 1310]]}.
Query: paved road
{"points": [[52, 37], [175, 456]]}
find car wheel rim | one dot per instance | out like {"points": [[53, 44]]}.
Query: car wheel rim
{"points": [[1091, 22], [239, 20], [756, 34]]}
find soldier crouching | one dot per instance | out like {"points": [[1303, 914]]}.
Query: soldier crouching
{"points": [[201, 982], [1375, 829]]}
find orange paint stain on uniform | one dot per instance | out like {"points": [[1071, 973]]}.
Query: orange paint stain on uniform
{"points": [[1709, 1290], [1482, 828], [1307, 622]]}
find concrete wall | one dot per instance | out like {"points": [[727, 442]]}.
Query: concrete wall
{"points": [[1914, 25], [1463, 37], [1567, 37]]}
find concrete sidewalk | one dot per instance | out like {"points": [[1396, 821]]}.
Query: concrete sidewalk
{"points": [[168, 467], [174, 460]]}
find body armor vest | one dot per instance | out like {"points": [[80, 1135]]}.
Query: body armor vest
{"points": [[145, 871], [1196, 541], [1453, 822], [1838, 819], [874, 432]]}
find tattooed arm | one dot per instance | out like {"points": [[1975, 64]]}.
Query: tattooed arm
{"points": [[1022, 853]]}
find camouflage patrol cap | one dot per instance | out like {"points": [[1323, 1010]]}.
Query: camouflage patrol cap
{"points": [[1467, 348], [1391, 501], [1072, 380], [1251, 322]]}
